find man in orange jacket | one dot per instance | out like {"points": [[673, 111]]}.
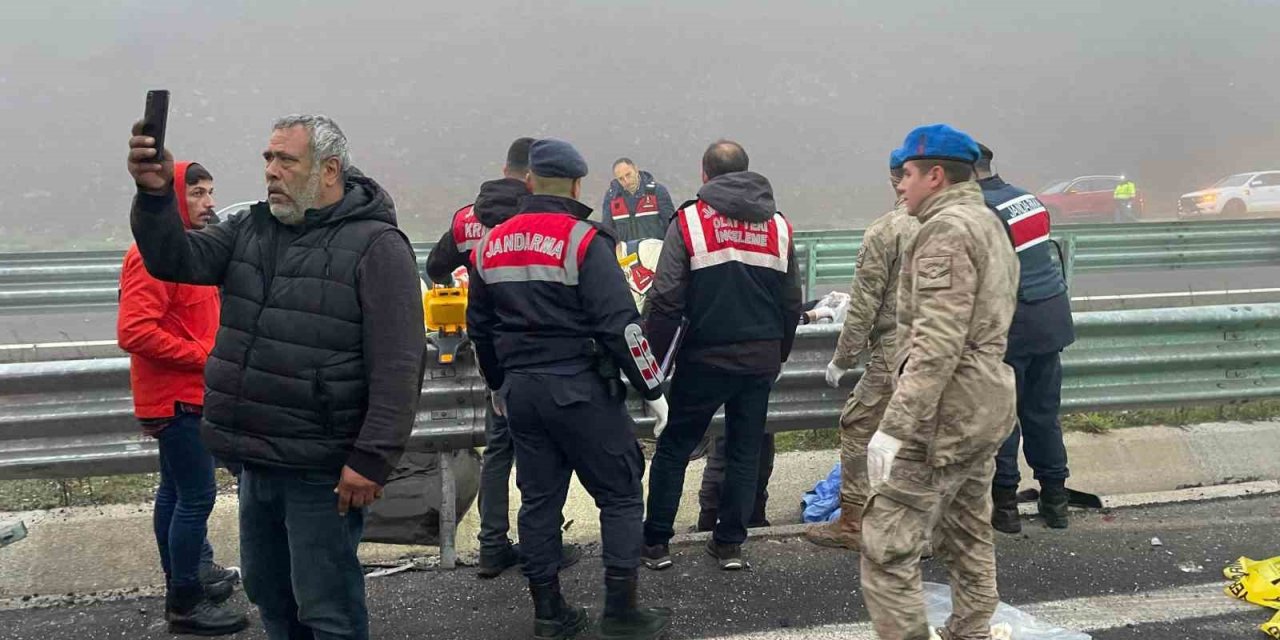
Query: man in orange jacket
{"points": [[168, 330]]}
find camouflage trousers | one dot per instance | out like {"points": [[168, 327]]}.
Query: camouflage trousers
{"points": [[895, 526], [858, 422]]}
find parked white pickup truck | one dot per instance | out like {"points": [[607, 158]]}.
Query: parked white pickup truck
{"points": [[1234, 196]]}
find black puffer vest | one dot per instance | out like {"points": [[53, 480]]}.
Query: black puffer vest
{"points": [[285, 383]]}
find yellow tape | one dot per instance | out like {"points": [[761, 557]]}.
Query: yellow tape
{"points": [[1272, 628]]}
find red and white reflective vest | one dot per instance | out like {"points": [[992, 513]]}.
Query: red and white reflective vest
{"points": [[467, 228], [535, 247], [646, 206], [712, 239]]}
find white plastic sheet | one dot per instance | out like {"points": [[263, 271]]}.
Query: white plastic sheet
{"points": [[1020, 626]]}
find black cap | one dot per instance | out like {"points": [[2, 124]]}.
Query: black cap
{"points": [[985, 152], [551, 158]]}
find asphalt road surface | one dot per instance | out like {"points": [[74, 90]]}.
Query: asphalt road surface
{"points": [[98, 322], [1103, 576]]}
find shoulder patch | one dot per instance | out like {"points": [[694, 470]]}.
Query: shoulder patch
{"points": [[933, 272]]}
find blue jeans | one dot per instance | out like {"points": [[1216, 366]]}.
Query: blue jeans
{"points": [[184, 501], [495, 482], [299, 556]]}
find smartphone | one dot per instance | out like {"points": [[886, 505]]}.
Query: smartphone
{"points": [[156, 118]]}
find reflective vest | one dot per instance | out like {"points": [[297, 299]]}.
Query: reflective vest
{"points": [[467, 229], [535, 247], [712, 239], [646, 206], [737, 276], [1027, 219], [1126, 191]]}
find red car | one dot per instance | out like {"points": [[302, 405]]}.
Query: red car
{"points": [[1085, 199]]}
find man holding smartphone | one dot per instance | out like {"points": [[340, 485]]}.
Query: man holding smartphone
{"points": [[313, 381]]}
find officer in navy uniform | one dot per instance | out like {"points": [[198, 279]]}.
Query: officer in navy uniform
{"points": [[497, 201], [1041, 329], [554, 324], [728, 267]]}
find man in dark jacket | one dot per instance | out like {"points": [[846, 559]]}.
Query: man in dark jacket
{"points": [[554, 325], [727, 268], [498, 201], [1041, 329], [636, 207], [314, 378]]}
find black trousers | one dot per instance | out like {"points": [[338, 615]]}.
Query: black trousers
{"points": [[696, 393], [1039, 382], [565, 424]]}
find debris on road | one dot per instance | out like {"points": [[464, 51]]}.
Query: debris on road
{"points": [[11, 532], [1156, 542]]}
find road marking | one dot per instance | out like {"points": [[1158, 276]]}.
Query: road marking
{"points": [[1092, 613], [57, 345]]}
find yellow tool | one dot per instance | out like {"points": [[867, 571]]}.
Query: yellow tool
{"points": [[444, 312]]}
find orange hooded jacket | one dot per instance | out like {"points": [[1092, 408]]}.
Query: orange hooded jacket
{"points": [[168, 329]]}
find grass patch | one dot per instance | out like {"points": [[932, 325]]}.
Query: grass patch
{"points": [[1091, 422], [26, 495]]}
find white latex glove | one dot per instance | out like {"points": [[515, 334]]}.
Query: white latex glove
{"points": [[834, 374], [660, 411], [881, 451]]}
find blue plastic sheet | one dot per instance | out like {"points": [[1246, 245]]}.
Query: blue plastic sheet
{"points": [[822, 503]]}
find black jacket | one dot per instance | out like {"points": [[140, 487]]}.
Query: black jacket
{"points": [[318, 363], [585, 319], [497, 202], [741, 318]]}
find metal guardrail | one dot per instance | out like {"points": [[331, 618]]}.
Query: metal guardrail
{"points": [[74, 418], [53, 279]]}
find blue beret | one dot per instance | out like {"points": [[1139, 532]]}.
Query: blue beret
{"points": [[939, 142], [551, 158], [895, 160]]}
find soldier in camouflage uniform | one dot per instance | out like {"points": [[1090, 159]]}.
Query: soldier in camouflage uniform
{"points": [[868, 328], [953, 403]]}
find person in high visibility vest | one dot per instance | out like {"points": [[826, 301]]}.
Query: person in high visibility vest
{"points": [[1124, 195]]}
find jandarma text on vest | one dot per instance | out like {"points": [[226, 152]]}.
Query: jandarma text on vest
{"points": [[547, 245]]}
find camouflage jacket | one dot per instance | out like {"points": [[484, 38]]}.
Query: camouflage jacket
{"points": [[872, 317], [955, 398]]}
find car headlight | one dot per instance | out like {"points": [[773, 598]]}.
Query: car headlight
{"points": [[1208, 198]]}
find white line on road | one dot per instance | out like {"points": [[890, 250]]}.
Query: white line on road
{"points": [[1093, 613], [57, 345]]}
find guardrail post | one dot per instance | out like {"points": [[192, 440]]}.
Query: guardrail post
{"points": [[810, 267], [1070, 266], [448, 512]]}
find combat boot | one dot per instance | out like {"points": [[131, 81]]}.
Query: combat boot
{"points": [[1053, 505], [1004, 510], [844, 532], [555, 619], [622, 620], [190, 612]]}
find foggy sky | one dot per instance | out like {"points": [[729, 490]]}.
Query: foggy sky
{"points": [[430, 94]]}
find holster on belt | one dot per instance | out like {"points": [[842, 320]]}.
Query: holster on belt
{"points": [[607, 369]]}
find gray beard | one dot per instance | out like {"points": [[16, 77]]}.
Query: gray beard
{"points": [[293, 214]]}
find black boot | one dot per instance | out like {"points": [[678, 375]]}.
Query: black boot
{"points": [[1053, 505], [190, 612], [555, 619], [1004, 510], [622, 620]]}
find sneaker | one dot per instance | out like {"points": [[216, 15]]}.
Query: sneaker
{"points": [[729, 555], [219, 582], [656, 556], [191, 612], [493, 564]]}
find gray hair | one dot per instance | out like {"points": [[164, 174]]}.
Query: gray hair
{"points": [[327, 140]]}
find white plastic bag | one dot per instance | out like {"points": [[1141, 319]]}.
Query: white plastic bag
{"points": [[937, 603]]}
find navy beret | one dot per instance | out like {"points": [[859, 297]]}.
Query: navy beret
{"points": [[551, 158], [939, 142]]}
